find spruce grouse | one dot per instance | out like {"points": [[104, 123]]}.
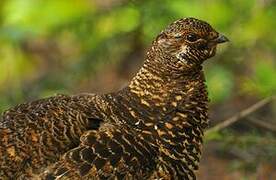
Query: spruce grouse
{"points": [[151, 129]]}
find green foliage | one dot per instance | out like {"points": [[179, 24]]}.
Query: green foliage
{"points": [[32, 16], [263, 81], [220, 83], [126, 18], [213, 136]]}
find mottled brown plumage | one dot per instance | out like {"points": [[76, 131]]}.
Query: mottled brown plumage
{"points": [[34, 135], [152, 129]]}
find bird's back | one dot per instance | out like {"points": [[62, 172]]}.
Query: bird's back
{"points": [[34, 135]]}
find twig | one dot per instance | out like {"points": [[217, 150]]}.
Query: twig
{"points": [[240, 115], [263, 124]]}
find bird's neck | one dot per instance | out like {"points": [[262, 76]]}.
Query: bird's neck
{"points": [[156, 92], [161, 76]]}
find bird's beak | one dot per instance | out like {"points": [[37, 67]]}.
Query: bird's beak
{"points": [[221, 39]]}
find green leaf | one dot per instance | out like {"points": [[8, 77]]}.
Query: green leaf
{"points": [[262, 82], [220, 83], [39, 17], [213, 135], [122, 20]]}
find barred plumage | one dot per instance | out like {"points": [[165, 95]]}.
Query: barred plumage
{"points": [[151, 129]]}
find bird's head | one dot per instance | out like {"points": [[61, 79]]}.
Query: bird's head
{"points": [[188, 42]]}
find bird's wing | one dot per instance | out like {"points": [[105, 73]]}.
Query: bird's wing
{"points": [[34, 135], [110, 153]]}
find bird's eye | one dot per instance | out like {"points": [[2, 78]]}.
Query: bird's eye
{"points": [[192, 37]]}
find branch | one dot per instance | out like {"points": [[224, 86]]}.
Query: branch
{"points": [[240, 115], [262, 124]]}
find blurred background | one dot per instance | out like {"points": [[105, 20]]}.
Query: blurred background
{"points": [[68, 46]]}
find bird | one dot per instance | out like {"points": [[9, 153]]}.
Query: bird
{"points": [[151, 129]]}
